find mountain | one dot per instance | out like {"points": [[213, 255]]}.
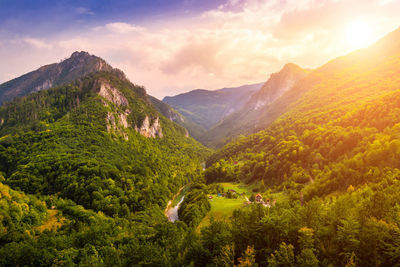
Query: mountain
{"points": [[328, 156], [205, 107], [193, 129], [245, 119], [339, 114], [89, 166], [78, 65]]}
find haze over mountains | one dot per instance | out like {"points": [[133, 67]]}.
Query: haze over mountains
{"points": [[206, 107], [211, 117]]}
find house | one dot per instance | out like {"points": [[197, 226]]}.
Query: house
{"points": [[233, 191], [258, 198], [267, 203], [210, 197]]}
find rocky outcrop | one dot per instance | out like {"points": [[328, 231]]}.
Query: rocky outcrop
{"points": [[150, 130], [276, 86], [251, 115], [117, 121], [112, 94], [45, 85]]}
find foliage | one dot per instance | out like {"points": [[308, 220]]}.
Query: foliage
{"points": [[195, 205], [108, 188]]}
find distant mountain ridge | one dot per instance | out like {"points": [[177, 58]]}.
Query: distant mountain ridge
{"points": [[246, 119], [206, 107], [78, 65], [195, 130]]}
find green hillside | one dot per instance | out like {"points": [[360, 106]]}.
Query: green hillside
{"points": [[335, 153], [98, 143]]}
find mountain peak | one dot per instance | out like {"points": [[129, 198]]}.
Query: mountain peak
{"points": [[291, 66], [79, 54], [80, 64]]}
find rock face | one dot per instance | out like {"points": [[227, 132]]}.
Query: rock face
{"points": [[245, 120], [112, 94], [150, 130], [117, 120], [276, 86], [78, 65]]}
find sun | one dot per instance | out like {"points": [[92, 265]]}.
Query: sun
{"points": [[359, 34]]}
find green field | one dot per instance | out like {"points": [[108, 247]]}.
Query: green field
{"points": [[222, 208]]}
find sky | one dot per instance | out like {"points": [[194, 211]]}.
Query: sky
{"points": [[173, 46]]}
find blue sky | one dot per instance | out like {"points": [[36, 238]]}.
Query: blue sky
{"points": [[45, 17], [173, 46]]}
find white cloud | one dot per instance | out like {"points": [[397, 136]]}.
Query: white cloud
{"points": [[37, 43], [122, 28]]}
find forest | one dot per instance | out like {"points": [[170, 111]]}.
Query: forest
{"points": [[87, 169]]}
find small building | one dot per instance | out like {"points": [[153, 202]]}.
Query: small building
{"points": [[267, 203], [258, 198], [231, 190], [210, 197]]}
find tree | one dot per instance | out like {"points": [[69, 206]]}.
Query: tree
{"points": [[248, 258], [306, 257], [282, 257]]}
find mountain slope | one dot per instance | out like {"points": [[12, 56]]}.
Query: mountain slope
{"points": [[332, 119], [92, 138], [246, 118], [88, 168], [78, 65], [206, 108], [330, 164], [196, 131]]}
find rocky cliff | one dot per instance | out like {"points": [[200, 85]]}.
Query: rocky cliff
{"points": [[246, 119], [118, 115]]}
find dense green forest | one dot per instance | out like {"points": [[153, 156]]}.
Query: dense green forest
{"points": [[103, 188], [335, 155], [87, 169]]}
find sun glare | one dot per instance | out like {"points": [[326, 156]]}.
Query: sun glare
{"points": [[359, 34]]}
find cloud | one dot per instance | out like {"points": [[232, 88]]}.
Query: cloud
{"points": [[200, 53], [84, 11], [122, 28], [237, 43], [36, 43]]}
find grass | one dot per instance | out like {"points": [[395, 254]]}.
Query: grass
{"points": [[240, 188], [222, 208]]}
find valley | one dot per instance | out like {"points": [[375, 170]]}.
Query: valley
{"points": [[300, 170]]}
